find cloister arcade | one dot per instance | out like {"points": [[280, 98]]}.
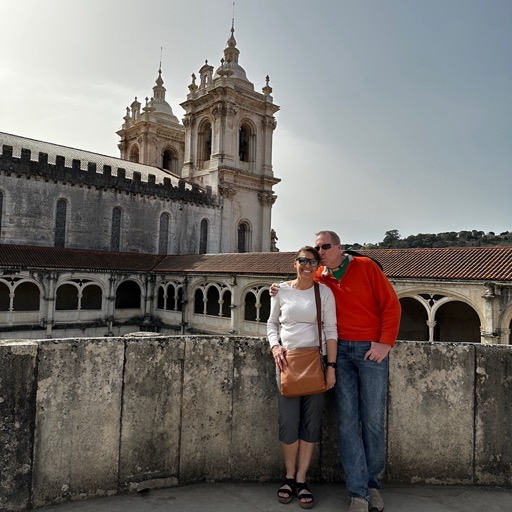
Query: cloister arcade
{"points": [[46, 304]]}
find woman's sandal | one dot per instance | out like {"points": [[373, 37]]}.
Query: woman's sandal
{"points": [[303, 493], [288, 493]]}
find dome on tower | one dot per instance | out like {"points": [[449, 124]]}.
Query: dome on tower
{"points": [[161, 108], [229, 64]]}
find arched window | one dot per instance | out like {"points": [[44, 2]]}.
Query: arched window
{"points": [[250, 312], [457, 321], [26, 297], [257, 305], [163, 235], [218, 300], [212, 301], [115, 237], [264, 305], [5, 299], [170, 297], [134, 153], [128, 295], [66, 297], [205, 141], [203, 237], [60, 223], [170, 161], [243, 237], [226, 304], [413, 322], [199, 302], [244, 144], [208, 142], [161, 298], [91, 297], [175, 297]]}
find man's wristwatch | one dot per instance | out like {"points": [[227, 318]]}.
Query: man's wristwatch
{"points": [[332, 365]]}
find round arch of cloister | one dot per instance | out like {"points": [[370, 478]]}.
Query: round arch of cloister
{"points": [[453, 313], [437, 317]]}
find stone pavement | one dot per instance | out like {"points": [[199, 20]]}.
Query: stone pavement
{"points": [[242, 497]]}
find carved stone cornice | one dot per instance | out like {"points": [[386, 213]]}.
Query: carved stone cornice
{"points": [[269, 122], [227, 191], [189, 121], [267, 198], [223, 110], [219, 111]]}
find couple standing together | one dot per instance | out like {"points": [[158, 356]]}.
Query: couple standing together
{"points": [[360, 321]]}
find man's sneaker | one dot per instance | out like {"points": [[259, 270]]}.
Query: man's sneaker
{"points": [[376, 503], [358, 505]]}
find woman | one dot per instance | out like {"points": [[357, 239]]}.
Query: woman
{"points": [[292, 324]]}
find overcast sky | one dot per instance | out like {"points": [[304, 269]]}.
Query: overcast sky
{"points": [[395, 114]]}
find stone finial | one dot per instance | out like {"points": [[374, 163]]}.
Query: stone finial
{"points": [[267, 90], [193, 87]]}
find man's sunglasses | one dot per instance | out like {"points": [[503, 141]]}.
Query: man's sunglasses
{"points": [[324, 247], [304, 261]]}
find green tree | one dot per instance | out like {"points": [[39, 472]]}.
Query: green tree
{"points": [[390, 238]]}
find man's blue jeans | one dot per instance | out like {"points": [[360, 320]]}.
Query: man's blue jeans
{"points": [[360, 394]]}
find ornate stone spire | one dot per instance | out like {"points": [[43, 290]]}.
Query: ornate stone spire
{"points": [[229, 64], [158, 101]]}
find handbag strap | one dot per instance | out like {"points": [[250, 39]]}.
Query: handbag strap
{"points": [[318, 313]]}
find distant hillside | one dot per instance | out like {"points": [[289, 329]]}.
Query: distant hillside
{"points": [[392, 240]]}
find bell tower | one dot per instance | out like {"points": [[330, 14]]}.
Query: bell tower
{"points": [[228, 146], [153, 135]]}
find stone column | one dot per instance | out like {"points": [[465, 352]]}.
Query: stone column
{"points": [[431, 324], [49, 299], [487, 330], [110, 302]]}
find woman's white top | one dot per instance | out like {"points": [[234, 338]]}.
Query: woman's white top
{"points": [[293, 317]]}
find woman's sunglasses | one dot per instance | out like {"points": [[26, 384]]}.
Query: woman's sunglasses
{"points": [[304, 261]]}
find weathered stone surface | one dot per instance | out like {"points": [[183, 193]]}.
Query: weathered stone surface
{"points": [[152, 400], [122, 415], [255, 450], [331, 470], [93, 195], [207, 416], [77, 419], [493, 415], [431, 413], [17, 405]]}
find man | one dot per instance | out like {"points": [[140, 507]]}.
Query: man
{"points": [[368, 318]]}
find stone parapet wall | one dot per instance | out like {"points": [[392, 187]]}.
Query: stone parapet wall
{"points": [[88, 198], [104, 178], [81, 418]]}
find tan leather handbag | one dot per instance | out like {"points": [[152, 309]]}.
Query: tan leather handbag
{"points": [[305, 372]]}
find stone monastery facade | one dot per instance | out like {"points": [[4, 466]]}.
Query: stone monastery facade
{"points": [[204, 186]]}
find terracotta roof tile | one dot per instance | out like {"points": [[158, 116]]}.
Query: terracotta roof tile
{"points": [[461, 263], [236, 263], [34, 257], [473, 263]]}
